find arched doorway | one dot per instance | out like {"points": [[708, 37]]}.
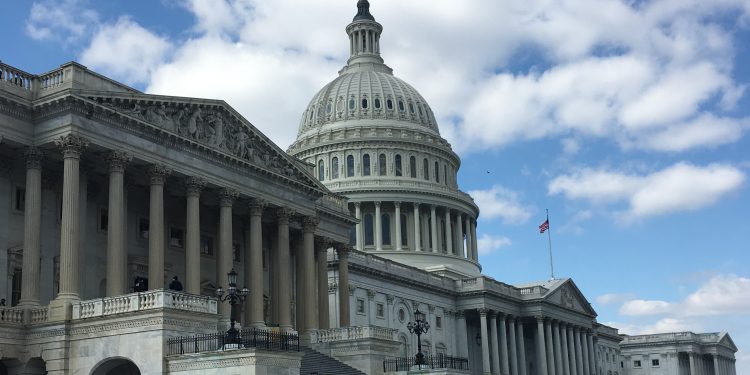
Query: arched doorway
{"points": [[116, 366]]}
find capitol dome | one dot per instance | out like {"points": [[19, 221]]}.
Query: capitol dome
{"points": [[373, 138]]}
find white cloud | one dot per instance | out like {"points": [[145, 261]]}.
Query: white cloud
{"points": [[613, 298], [126, 50], [488, 244], [681, 187], [646, 307], [722, 294], [66, 20], [705, 130], [665, 325], [499, 202]]}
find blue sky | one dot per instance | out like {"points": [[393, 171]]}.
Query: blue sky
{"points": [[628, 120]]}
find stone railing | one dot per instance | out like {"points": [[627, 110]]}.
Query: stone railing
{"points": [[353, 333], [15, 77], [672, 337], [153, 299], [486, 283], [38, 315], [335, 201], [11, 315], [539, 290], [378, 263]]}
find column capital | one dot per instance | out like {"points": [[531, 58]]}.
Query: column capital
{"points": [[397, 204], [194, 185], [118, 160], [416, 205], [72, 145], [158, 173], [309, 223], [483, 311], [502, 315], [377, 203], [357, 204], [460, 314], [256, 206], [492, 314], [283, 214], [227, 196], [342, 250], [539, 318], [322, 244], [34, 157]]}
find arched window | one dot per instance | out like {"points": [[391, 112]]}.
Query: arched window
{"points": [[413, 166], [389, 103], [401, 105], [364, 103], [350, 166], [351, 104], [334, 168], [369, 233], [385, 221], [329, 108], [321, 170], [404, 231], [381, 165], [398, 165], [377, 103], [426, 169], [437, 175], [366, 164]]}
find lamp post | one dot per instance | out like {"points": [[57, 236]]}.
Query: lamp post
{"points": [[419, 326], [234, 296]]}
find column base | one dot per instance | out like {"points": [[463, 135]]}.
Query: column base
{"points": [[61, 308]]}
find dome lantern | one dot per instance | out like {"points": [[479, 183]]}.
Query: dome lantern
{"points": [[364, 41]]}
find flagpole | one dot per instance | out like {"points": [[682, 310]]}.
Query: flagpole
{"points": [[549, 240]]}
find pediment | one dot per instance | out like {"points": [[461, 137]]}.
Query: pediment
{"points": [[566, 294], [207, 124], [727, 341]]}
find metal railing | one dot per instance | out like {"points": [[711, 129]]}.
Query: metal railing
{"points": [[248, 338], [439, 361]]}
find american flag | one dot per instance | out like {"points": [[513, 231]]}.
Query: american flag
{"points": [[545, 225]]}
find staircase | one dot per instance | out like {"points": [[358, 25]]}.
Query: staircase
{"points": [[316, 363]]}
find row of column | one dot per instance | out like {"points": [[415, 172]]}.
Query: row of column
{"points": [[72, 147], [718, 365], [560, 348], [364, 41], [463, 223]]}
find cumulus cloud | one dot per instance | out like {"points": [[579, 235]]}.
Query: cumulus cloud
{"points": [[126, 50], [645, 307], [664, 325], [681, 187], [488, 244], [67, 20], [614, 298], [503, 203]]}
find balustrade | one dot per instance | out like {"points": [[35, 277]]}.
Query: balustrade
{"points": [[153, 299], [353, 333]]}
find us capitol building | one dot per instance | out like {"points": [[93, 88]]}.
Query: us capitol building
{"points": [[358, 229]]}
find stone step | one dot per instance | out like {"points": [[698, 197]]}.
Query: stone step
{"points": [[316, 363]]}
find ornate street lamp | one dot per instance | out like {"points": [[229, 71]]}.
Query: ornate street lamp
{"points": [[234, 297], [419, 326]]}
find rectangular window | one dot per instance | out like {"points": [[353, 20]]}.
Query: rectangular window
{"points": [[360, 306], [103, 219], [143, 228], [19, 199], [439, 322], [637, 364], [207, 245], [176, 237], [380, 310], [654, 363]]}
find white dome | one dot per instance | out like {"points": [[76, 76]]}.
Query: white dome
{"points": [[367, 94]]}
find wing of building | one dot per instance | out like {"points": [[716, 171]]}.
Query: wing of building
{"points": [[123, 215]]}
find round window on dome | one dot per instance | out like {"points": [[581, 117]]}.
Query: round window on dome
{"points": [[377, 103], [364, 103], [351, 104], [401, 105], [389, 104]]}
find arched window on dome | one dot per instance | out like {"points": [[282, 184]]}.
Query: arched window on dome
{"points": [[419, 107], [404, 232], [385, 221], [401, 105], [351, 104], [411, 108], [399, 171], [321, 170], [437, 175], [312, 112], [364, 103], [377, 103], [366, 164], [369, 232], [382, 167], [334, 168], [389, 103], [413, 166], [350, 166], [426, 169], [329, 108]]}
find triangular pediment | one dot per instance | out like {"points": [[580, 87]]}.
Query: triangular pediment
{"points": [[208, 125], [565, 293], [727, 341]]}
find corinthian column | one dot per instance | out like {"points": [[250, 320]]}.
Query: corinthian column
{"points": [[117, 256], [72, 146], [254, 265], [540, 352], [486, 369], [459, 251], [550, 348], [513, 351], [417, 229], [225, 259], [158, 174], [321, 252], [282, 277], [358, 227], [378, 227], [308, 265], [433, 229], [557, 348], [448, 232], [474, 239], [397, 222], [494, 348], [344, 320], [521, 348], [504, 365], [32, 227], [193, 187], [469, 242]]}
